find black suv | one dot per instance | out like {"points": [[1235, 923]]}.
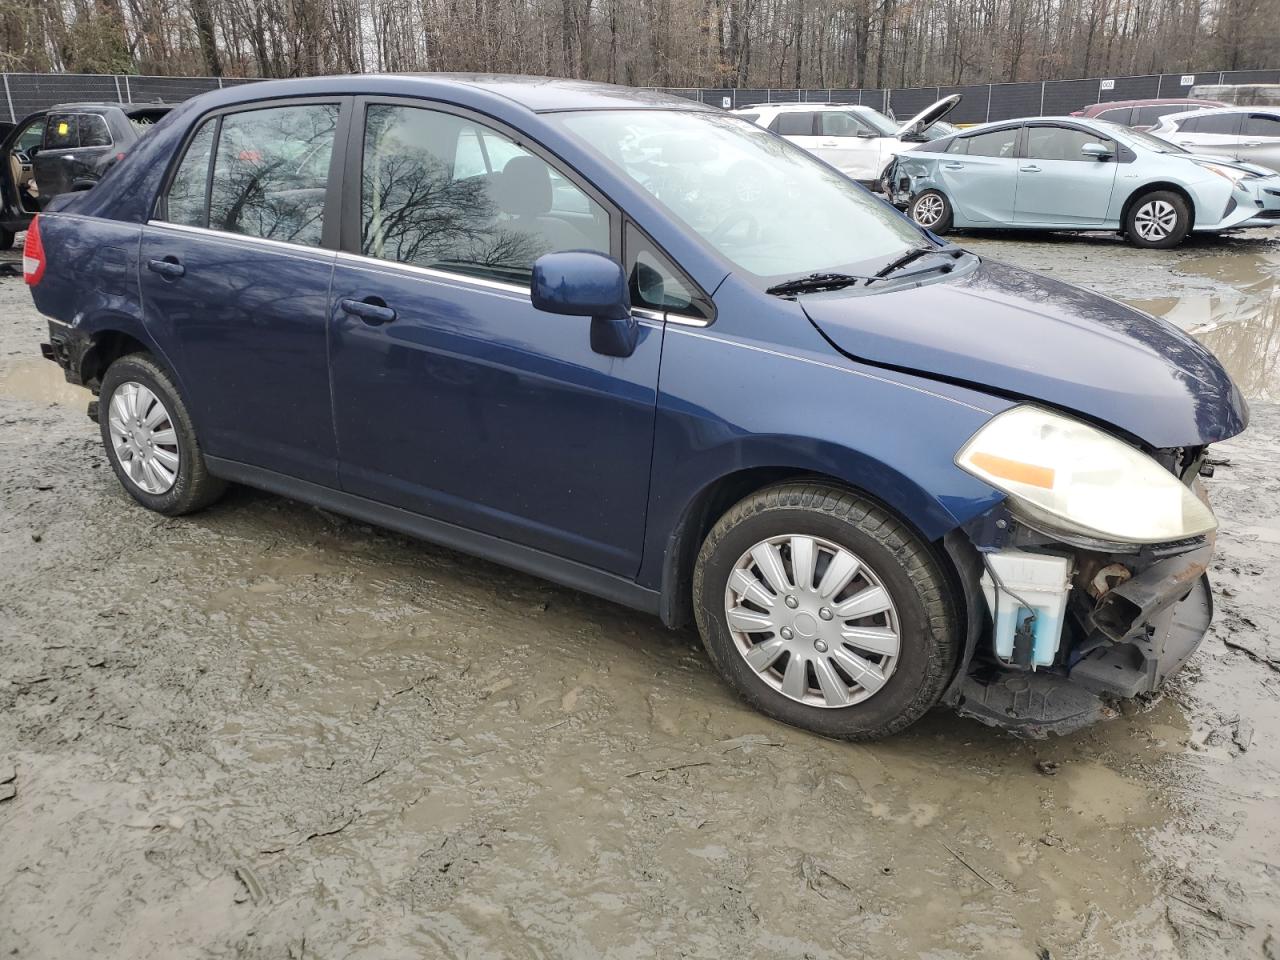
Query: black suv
{"points": [[67, 147]]}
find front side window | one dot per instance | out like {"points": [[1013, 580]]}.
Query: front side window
{"points": [[793, 125], [438, 190], [1061, 143], [1262, 125], [1223, 124], [997, 143], [841, 124], [761, 202], [62, 131], [271, 171]]}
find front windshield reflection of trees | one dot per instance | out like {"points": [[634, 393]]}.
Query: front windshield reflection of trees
{"points": [[764, 204]]}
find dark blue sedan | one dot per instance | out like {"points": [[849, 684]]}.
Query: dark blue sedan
{"points": [[646, 349]]}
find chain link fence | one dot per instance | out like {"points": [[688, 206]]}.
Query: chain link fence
{"points": [[27, 92]]}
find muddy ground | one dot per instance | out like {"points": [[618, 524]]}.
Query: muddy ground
{"points": [[266, 731]]}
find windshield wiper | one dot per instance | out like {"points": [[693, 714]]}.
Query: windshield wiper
{"points": [[814, 282], [912, 255]]}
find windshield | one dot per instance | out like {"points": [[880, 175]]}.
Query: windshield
{"points": [[767, 206], [1140, 139]]}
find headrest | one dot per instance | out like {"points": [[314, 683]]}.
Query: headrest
{"points": [[523, 187]]}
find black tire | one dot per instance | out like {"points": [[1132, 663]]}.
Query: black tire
{"points": [[6, 239], [194, 488], [927, 199], [1151, 232], [904, 565]]}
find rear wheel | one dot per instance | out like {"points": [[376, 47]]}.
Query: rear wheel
{"points": [[150, 439], [824, 611], [1158, 220], [932, 210]]}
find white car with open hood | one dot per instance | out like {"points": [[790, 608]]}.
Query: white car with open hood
{"points": [[859, 141]]}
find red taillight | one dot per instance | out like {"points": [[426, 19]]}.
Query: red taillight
{"points": [[33, 254]]}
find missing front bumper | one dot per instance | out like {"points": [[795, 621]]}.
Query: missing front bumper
{"points": [[1038, 704]]}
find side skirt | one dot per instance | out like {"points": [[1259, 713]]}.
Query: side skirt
{"points": [[567, 573]]}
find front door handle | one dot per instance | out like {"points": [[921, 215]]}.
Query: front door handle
{"points": [[953, 166], [828, 143], [1252, 143], [169, 268], [372, 310], [1030, 168]]}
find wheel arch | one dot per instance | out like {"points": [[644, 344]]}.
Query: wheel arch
{"points": [[1153, 187], [719, 495]]}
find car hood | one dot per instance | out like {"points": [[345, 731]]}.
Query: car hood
{"points": [[927, 117], [1021, 334]]}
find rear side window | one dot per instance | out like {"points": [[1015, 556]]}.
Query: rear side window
{"points": [[62, 131], [793, 124], [1150, 116], [997, 143], [94, 131], [1261, 125], [752, 117], [269, 174], [438, 190], [1226, 124]]}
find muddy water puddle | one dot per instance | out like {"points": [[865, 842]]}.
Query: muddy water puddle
{"points": [[40, 381]]}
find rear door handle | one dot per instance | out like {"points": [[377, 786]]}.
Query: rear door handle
{"points": [[953, 166], [169, 268], [1252, 143], [828, 143], [371, 310], [1030, 168]]}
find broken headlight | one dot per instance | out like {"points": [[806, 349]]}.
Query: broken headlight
{"points": [[1065, 475]]}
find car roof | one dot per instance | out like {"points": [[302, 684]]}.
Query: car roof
{"points": [[538, 94], [786, 107], [104, 104], [1256, 108], [1154, 102]]}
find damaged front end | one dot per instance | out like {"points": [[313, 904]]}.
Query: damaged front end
{"points": [[1064, 623]]}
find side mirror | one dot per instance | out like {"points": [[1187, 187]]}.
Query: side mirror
{"points": [[1097, 151], [583, 283], [866, 135]]}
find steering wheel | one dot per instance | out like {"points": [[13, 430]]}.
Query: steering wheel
{"points": [[735, 218]]}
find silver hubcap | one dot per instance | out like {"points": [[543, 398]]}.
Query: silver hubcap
{"points": [[143, 437], [927, 210], [812, 620], [1155, 220]]}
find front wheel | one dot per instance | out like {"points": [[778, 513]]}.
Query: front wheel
{"points": [[932, 210], [825, 612], [1158, 220], [150, 439]]}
